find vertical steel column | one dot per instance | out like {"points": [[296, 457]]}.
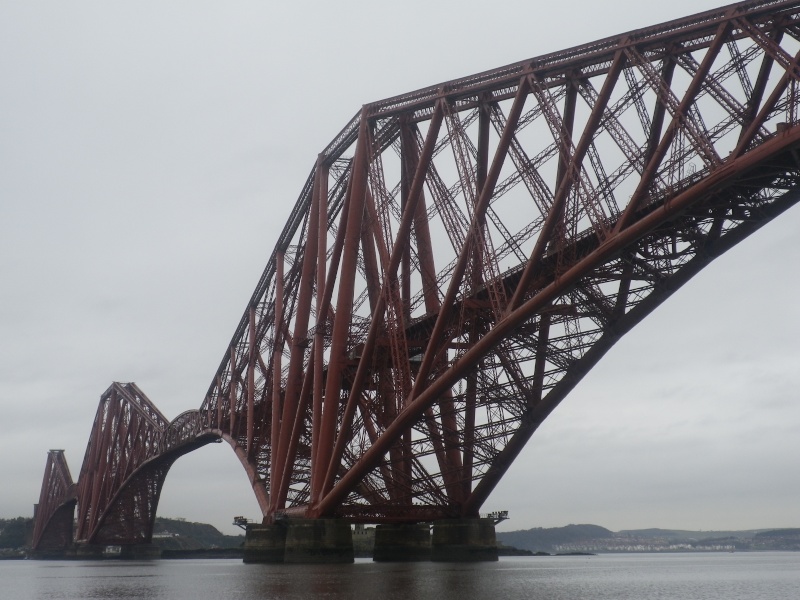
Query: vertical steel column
{"points": [[277, 352], [344, 304], [415, 194], [422, 233], [322, 303], [218, 400], [318, 465], [251, 382], [434, 345], [232, 389], [405, 259], [310, 271], [482, 168], [294, 380]]}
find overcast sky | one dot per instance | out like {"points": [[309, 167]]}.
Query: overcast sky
{"points": [[150, 153]]}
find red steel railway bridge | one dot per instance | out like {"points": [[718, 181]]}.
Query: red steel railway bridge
{"points": [[458, 259]]}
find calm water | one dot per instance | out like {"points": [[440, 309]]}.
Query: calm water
{"points": [[740, 576]]}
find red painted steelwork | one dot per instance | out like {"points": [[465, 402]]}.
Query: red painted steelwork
{"points": [[485, 240], [130, 451], [52, 519], [461, 256]]}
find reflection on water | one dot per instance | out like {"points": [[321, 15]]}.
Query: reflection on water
{"points": [[741, 576]]}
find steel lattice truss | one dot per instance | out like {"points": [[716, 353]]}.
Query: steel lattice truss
{"points": [[130, 451], [461, 256], [116, 496], [54, 513]]}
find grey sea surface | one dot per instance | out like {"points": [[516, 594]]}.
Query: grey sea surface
{"points": [[711, 576]]}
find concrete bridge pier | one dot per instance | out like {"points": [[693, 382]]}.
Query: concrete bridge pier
{"points": [[463, 540], [300, 541], [264, 543], [308, 541], [402, 543], [318, 541]]}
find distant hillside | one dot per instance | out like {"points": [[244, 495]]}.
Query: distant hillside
{"points": [[178, 534], [773, 533], [684, 534], [592, 538], [777, 539], [15, 533], [547, 540]]}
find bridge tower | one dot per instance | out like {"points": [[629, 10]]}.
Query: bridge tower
{"points": [[54, 514]]}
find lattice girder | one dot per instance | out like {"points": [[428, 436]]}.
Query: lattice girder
{"points": [[460, 255], [53, 517], [127, 431]]}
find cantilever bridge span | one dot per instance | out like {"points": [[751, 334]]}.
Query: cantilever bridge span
{"points": [[458, 259]]}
